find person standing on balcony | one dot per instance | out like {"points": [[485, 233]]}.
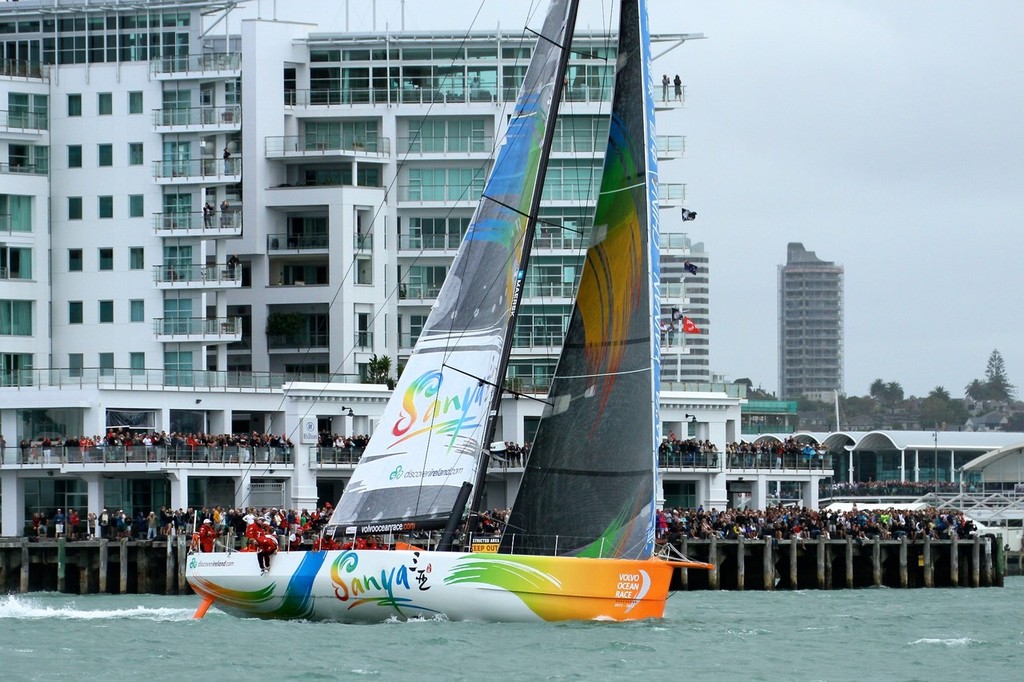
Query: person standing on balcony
{"points": [[665, 82], [678, 82], [225, 207], [227, 162]]}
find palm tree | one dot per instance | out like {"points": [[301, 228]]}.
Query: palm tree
{"points": [[378, 370], [893, 392], [877, 390], [976, 390], [941, 393]]}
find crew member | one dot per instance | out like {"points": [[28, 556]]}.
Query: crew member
{"points": [[266, 546], [207, 535]]}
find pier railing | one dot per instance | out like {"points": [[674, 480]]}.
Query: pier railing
{"points": [[40, 456]]}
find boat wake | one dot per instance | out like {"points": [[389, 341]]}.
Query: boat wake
{"points": [[26, 608]]}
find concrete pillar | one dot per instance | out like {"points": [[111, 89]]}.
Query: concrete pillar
{"points": [[929, 566], [12, 500], [179, 489], [94, 499], [759, 493], [303, 493], [741, 569], [904, 573], [768, 565]]}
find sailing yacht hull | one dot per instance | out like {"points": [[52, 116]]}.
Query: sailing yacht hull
{"points": [[378, 585]]}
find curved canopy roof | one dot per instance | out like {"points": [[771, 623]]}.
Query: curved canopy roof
{"points": [[980, 441]]}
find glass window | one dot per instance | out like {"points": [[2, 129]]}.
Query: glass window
{"points": [[74, 156], [137, 361], [19, 212], [15, 318], [105, 104], [134, 153], [135, 102], [106, 205], [74, 105], [106, 312], [106, 364], [138, 310], [74, 312], [74, 208], [105, 154], [75, 364], [106, 258], [74, 260], [135, 205], [136, 260]]}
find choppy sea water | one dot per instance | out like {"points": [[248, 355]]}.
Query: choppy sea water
{"points": [[875, 634]]}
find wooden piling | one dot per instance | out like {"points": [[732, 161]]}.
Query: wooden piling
{"points": [[62, 560], [713, 559], [954, 561], [929, 564], [741, 569], [821, 562], [104, 564], [123, 554], [976, 562], [876, 562], [24, 565], [180, 568], [1000, 562], [849, 563], [684, 573], [768, 565], [169, 574], [904, 571], [794, 579]]}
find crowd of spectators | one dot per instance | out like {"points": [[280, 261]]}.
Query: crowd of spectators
{"points": [[895, 488], [784, 523]]}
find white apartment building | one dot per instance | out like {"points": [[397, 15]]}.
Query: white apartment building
{"points": [[192, 221]]}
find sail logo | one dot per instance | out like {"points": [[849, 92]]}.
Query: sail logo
{"points": [[634, 587], [427, 408], [396, 474], [382, 588]]}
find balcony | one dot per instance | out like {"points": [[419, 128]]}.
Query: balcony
{"points": [[280, 241], [194, 119], [199, 171], [22, 121], [418, 293], [549, 290], [671, 195], [197, 277], [10, 68], [299, 342], [670, 146], [350, 97], [219, 225], [363, 341], [19, 168], [210, 65], [441, 243], [462, 146], [669, 101], [198, 329], [440, 194], [302, 147]]}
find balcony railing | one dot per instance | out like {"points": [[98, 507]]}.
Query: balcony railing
{"points": [[298, 341], [197, 326], [280, 241], [188, 275], [229, 170], [420, 292], [159, 379], [23, 169], [11, 68], [321, 97], [463, 144], [35, 455], [196, 63], [549, 290], [340, 457], [364, 340], [429, 242], [229, 116], [23, 120], [671, 146], [321, 145], [197, 223], [447, 193]]}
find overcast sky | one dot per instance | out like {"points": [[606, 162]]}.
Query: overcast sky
{"points": [[886, 136]]}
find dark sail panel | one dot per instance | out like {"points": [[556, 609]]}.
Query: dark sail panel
{"points": [[589, 487]]}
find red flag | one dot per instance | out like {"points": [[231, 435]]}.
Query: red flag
{"points": [[689, 327]]}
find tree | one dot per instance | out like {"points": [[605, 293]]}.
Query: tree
{"points": [[941, 393], [877, 390], [378, 370], [999, 387], [893, 392], [976, 390]]}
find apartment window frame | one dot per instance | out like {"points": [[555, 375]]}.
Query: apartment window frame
{"points": [[105, 206]]}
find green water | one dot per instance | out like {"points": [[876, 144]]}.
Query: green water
{"points": [[876, 634]]}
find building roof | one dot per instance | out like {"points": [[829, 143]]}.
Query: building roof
{"points": [[982, 441]]}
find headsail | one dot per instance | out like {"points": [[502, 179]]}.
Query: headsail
{"points": [[589, 487], [430, 437]]}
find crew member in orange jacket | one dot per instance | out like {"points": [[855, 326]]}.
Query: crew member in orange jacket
{"points": [[207, 535]]}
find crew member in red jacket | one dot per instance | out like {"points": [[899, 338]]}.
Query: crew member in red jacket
{"points": [[207, 535], [266, 546]]}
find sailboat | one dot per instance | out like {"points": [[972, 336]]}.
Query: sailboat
{"points": [[580, 540]]}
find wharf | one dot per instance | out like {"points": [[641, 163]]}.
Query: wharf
{"points": [[158, 566]]}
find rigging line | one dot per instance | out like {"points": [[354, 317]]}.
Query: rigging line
{"points": [[624, 189], [605, 374]]}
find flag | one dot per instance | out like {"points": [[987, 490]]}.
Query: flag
{"points": [[690, 267], [689, 215], [677, 314], [689, 327]]}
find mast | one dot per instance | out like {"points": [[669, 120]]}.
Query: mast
{"points": [[517, 295]]}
